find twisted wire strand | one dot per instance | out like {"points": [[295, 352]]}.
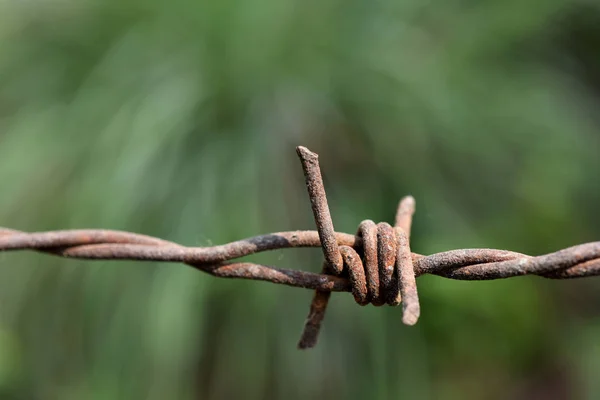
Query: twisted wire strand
{"points": [[578, 261], [375, 264]]}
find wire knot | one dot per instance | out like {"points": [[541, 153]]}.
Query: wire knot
{"points": [[383, 271]]}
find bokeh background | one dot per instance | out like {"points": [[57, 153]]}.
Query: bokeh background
{"points": [[179, 119]]}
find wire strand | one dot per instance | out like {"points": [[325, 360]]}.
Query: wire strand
{"points": [[376, 264]]}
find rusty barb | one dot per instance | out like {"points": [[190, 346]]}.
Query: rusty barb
{"points": [[376, 264]]}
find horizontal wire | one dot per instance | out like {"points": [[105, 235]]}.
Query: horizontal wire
{"points": [[466, 264], [376, 264]]}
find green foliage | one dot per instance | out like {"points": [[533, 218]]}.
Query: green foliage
{"points": [[179, 119]]}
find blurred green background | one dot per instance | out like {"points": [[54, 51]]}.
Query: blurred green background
{"points": [[179, 119]]}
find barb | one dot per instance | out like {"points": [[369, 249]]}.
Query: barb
{"points": [[376, 264], [334, 261]]}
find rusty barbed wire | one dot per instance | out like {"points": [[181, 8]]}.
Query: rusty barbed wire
{"points": [[376, 264]]}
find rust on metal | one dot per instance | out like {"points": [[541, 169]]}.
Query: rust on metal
{"points": [[312, 325], [404, 214], [386, 252], [334, 262], [376, 265], [367, 231], [318, 201], [406, 280]]}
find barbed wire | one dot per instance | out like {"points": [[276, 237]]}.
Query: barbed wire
{"points": [[376, 264]]}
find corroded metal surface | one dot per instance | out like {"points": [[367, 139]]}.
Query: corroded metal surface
{"points": [[376, 264]]}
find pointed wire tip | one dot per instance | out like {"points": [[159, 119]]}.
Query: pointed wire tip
{"points": [[410, 315], [305, 153], [404, 213], [305, 345], [407, 204]]}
